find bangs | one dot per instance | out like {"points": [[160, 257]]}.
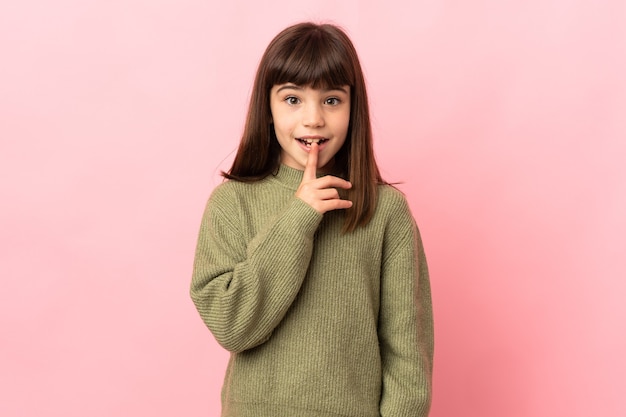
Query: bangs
{"points": [[316, 60]]}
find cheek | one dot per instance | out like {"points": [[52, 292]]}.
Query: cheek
{"points": [[279, 127], [282, 122], [345, 123], [346, 117]]}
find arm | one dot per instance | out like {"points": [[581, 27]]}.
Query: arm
{"points": [[405, 324], [242, 290]]}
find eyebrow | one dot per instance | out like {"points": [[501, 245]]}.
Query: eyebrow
{"points": [[297, 87]]}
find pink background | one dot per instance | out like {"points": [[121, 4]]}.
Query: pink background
{"points": [[505, 123]]}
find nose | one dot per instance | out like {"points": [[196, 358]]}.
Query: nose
{"points": [[313, 115]]}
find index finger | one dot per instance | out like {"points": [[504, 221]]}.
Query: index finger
{"points": [[310, 170]]}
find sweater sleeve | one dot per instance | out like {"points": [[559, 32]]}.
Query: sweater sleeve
{"points": [[405, 322], [242, 289]]}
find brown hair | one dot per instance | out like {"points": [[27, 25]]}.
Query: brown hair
{"points": [[320, 56]]}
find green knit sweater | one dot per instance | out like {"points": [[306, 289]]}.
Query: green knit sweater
{"points": [[318, 323]]}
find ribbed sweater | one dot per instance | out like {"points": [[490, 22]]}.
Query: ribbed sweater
{"points": [[319, 323]]}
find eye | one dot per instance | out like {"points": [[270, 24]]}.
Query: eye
{"points": [[332, 101], [292, 100]]}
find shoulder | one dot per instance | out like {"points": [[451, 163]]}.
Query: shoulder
{"points": [[225, 190], [232, 195], [392, 202], [401, 233], [391, 194], [226, 199], [233, 190], [394, 214], [229, 202]]}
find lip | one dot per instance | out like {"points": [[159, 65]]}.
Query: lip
{"points": [[305, 148]]}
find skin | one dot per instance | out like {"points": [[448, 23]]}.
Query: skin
{"points": [[303, 112], [321, 193]]}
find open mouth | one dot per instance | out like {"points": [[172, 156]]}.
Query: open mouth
{"points": [[309, 141]]}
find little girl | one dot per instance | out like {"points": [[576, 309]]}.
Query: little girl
{"points": [[309, 268]]}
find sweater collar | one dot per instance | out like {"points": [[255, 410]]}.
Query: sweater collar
{"points": [[292, 177]]}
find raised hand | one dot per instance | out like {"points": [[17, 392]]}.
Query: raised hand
{"points": [[321, 193]]}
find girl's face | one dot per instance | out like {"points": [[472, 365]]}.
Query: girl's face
{"points": [[302, 115]]}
